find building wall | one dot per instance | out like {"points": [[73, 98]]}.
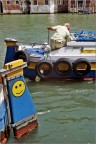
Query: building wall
{"points": [[93, 6], [52, 6], [77, 5], [39, 6], [12, 7], [42, 7]]}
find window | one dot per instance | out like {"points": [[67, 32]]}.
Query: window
{"points": [[41, 2], [87, 3], [35, 2], [46, 2], [63, 2], [58, 2], [80, 4], [72, 4], [17, 1], [8, 1]]}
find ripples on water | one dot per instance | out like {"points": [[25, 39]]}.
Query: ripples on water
{"points": [[66, 111]]}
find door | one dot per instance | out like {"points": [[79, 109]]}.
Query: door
{"points": [[1, 7]]}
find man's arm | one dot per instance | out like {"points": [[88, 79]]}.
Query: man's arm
{"points": [[51, 28], [68, 36]]}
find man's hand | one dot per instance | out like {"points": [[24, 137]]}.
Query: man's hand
{"points": [[49, 28]]}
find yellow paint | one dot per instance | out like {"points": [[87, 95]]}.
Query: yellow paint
{"points": [[88, 51], [32, 65], [44, 67], [63, 66], [10, 43], [93, 66], [13, 64], [83, 66], [18, 88], [16, 72]]}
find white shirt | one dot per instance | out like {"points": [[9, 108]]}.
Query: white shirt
{"points": [[61, 33]]}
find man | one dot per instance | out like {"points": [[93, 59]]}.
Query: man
{"points": [[60, 37]]}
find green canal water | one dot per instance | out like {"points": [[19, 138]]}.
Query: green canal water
{"points": [[66, 110]]}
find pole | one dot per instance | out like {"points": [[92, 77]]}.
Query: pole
{"points": [[7, 101], [48, 36]]}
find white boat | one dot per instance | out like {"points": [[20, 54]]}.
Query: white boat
{"points": [[77, 60]]}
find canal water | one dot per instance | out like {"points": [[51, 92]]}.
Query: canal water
{"points": [[66, 110]]}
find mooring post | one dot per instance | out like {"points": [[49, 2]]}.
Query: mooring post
{"points": [[11, 50], [22, 108]]}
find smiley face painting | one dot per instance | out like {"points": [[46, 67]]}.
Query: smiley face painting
{"points": [[18, 88]]}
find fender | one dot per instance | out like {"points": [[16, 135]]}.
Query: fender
{"points": [[81, 67], [22, 55], [63, 66], [44, 68]]}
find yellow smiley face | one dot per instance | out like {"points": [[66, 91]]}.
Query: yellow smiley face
{"points": [[18, 88]]}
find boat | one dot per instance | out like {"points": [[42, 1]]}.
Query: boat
{"points": [[76, 60], [84, 11]]}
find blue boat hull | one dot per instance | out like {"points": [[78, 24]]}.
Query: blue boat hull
{"points": [[31, 74]]}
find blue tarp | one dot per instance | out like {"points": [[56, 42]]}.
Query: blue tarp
{"points": [[85, 36], [3, 115], [35, 51]]}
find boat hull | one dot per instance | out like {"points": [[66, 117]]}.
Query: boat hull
{"points": [[77, 60], [32, 74]]}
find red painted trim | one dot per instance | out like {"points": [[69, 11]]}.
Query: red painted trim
{"points": [[19, 132], [3, 138]]}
